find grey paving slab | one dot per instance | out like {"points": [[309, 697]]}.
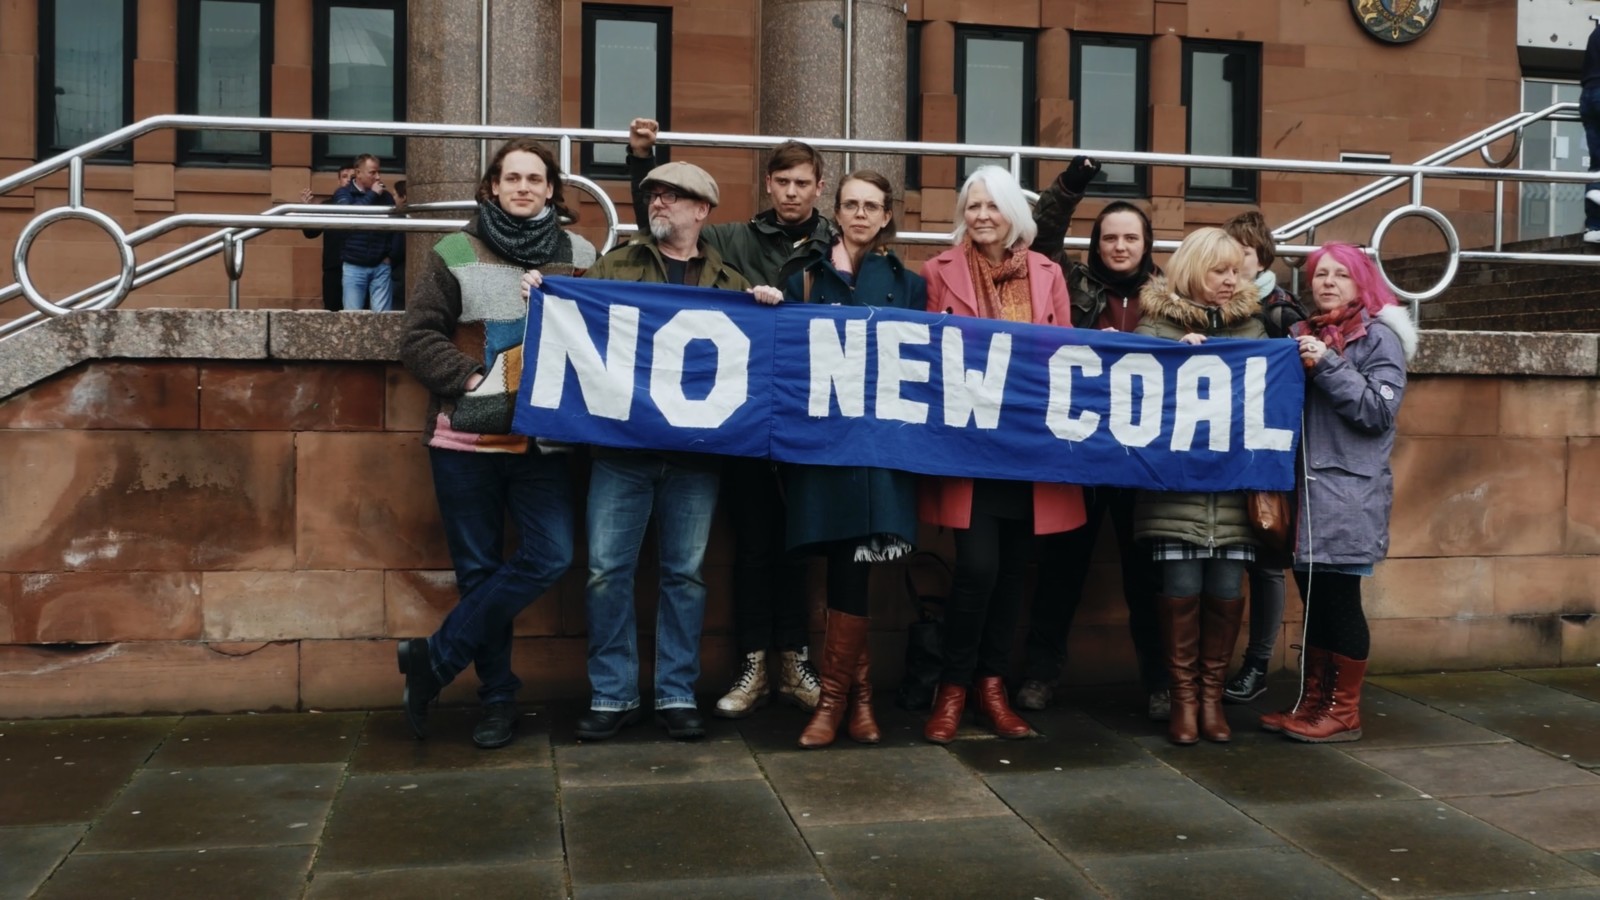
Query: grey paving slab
{"points": [[68, 770], [1557, 722], [1588, 859], [564, 723], [1127, 811], [1258, 768], [1123, 709], [892, 784], [218, 806], [1559, 819], [777, 728], [269, 739], [29, 855], [1389, 720], [1066, 740], [1420, 848], [1581, 893], [260, 873], [1582, 681], [987, 857], [670, 832], [733, 887], [442, 819], [609, 765], [1258, 872], [387, 745], [532, 881], [1476, 769]]}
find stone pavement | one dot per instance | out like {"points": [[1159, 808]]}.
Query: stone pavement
{"points": [[1466, 785]]}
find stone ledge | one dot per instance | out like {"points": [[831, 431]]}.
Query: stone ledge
{"points": [[335, 336], [1506, 353]]}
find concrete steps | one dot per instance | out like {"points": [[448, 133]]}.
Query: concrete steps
{"points": [[1498, 297]]}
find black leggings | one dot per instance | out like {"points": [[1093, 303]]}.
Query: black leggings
{"points": [[981, 618], [848, 580], [1334, 620]]}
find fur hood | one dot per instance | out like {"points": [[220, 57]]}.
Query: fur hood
{"points": [[1398, 318], [1157, 300]]}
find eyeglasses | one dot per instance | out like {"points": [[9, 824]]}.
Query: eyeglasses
{"points": [[665, 198], [871, 207]]}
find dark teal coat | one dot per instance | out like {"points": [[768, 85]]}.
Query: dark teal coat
{"points": [[847, 503]]}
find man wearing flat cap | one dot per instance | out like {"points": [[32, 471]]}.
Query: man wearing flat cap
{"points": [[626, 486]]}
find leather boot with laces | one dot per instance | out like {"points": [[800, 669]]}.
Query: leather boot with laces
{"points": [[798, 683], [749, 692]]}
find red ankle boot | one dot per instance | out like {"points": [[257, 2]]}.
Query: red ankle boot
{"points": [[948, 705], [990, 693], [1337, 717], [1313, 663]]}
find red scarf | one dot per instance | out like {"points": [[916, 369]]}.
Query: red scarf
{"points": [[1001, 290], [1337, 328]]}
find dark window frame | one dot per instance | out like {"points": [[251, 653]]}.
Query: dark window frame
{"points": [[1028, 38], [913, 103], [188, 87], [1247, 119], [46, 116], [321, 160], [661, 17], [1140, 186]]}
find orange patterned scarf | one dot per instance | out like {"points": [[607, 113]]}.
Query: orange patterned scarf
{"points": [[1001, 290]]}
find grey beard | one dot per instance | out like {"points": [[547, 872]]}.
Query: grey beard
{"points": [[661, 229]]}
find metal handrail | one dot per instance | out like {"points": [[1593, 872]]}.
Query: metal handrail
{"points": [[241, 228]]}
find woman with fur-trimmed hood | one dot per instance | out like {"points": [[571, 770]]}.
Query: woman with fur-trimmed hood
{"points": [[1201, 542]]}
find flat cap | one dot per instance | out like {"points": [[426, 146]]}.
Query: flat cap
{"points": [[686, 178]]}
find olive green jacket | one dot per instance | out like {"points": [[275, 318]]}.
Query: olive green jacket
{"points": [[641, 261]]}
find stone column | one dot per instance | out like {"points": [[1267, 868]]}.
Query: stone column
{"points": [[803, 76], [444, 75]]}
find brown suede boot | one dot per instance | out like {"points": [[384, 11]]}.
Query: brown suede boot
{"points": [[948, 705], [1337, 717], [1313, 663], [990, 693], [863, 727], [1179, 618], [841, 650], [1219, 631]]}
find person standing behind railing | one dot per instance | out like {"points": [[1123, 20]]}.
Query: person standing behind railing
{"points": [[332, 247], [365, 254], [1589, 113], [463, 341]]}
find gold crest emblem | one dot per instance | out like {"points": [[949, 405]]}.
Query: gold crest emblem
{"points": [[1395, 21]]}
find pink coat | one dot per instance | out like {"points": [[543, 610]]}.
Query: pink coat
{"points": [[948, 501]]}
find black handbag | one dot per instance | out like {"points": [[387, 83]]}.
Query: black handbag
{"points": [[924, 654]]}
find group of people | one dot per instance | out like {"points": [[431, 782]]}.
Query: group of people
{"points": [[1184, 556], [362, 269]]}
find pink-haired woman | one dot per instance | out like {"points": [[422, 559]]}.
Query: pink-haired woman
{"points": [[1355, 347]]}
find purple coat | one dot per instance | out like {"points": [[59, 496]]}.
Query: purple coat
{"points": [[1352, 402]]}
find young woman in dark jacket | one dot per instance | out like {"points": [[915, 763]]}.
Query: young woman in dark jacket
{"points": [[852, 515], [1355, 348]]}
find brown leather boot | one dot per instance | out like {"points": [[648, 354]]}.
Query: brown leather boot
{"points": [[1313, 663], [863, 727], [1219, 631], [841, 649], [1337, 717], [1179, 618], [948, 704], [990, 692]]}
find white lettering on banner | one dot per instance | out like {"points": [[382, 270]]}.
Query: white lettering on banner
{"points": [[1147, 370], [1257, 436], [1058, 415], [729, 388], [1215, 408], [606, 384], [894, 371], [838, 369], [973, 395]]}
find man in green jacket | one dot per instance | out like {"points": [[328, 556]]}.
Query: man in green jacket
{"points": [[769, 602]]}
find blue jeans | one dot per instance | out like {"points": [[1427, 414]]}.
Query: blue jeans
{"points": [[475, 491], [1589, 112], [622, 493], [363, 282]]}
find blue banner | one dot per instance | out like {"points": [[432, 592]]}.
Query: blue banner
{"points": [[665, 367]]}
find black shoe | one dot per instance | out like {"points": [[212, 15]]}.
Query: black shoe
{"points": [[683, 723], [497, 727], [1249, 683], [599, 724], [422, 686]]}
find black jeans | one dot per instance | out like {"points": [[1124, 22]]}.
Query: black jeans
{"points": [[981, 617], [1063, 566], [1334, 619], [769, 590]]}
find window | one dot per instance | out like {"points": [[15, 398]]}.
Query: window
{"points": [[1545, 209], [994, 93], [224, 59], [85, 72], [1110, 106], [357, 53], [627, 74], [1221, 88], [913, 102]]}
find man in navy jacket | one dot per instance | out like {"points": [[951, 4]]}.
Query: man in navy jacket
{"points": [[366, 254]]}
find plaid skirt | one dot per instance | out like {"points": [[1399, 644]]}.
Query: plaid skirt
{"points": [[1170, 550]]}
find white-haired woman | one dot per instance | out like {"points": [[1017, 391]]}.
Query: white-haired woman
{"points": [[991, 273]]}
